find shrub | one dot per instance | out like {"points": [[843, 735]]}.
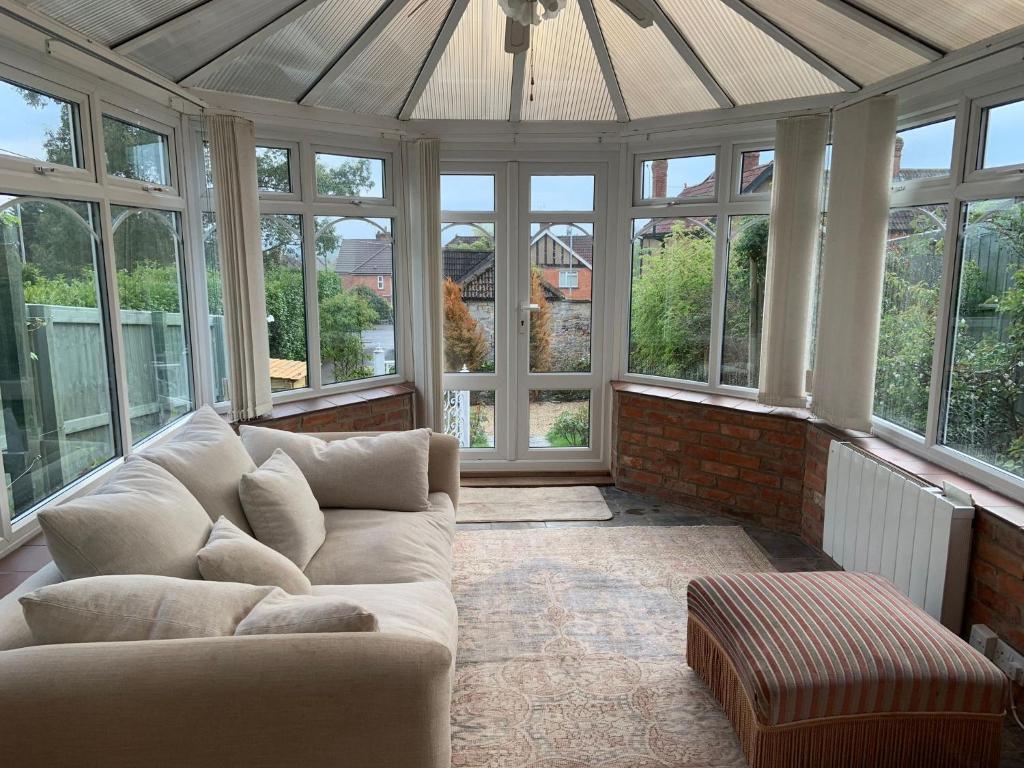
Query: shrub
{"points": [[571, 429]]}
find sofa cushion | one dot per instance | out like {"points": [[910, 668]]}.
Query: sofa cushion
{"points": [[281, 509], [231, 554], [142, 520], [14, 632], [423, 609], [386, 471], [281, 614], [207, 458], [119, 608], [373, 546]]}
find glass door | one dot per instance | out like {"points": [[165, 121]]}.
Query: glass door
{"points": [[522, 254]]}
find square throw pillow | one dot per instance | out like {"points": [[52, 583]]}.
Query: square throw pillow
{"points": [[207, 458], [387, 471], [233, 555], [282, 510], [281, 614], [116, 608], [142, 520]]}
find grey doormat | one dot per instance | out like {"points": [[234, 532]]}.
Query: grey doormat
{"points": [[515, 505]]}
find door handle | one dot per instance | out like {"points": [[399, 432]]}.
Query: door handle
{"points": [[524, 314], [529, 307]]}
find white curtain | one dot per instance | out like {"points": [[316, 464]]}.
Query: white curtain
{"points": [[233, 158], [423, 160], [850, 302], [792, 246]]}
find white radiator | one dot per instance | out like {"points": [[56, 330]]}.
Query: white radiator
{"points": [[881, 521]]}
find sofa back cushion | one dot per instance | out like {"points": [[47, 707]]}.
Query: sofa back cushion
{"points": [[141, 521], [120, 608], [282, 510], [233, 555], [385, 471], [281, 614], [208, 458]]}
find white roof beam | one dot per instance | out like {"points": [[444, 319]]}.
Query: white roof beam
{"points": [[294, 13], [515, 106], [175, 25], [372, 31], [792, 45], [688, 55], [885, 29], [611, 80], [433, 58]]}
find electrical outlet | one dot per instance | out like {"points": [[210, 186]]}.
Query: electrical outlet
{"points": [[1010, 661], [984, 640]]}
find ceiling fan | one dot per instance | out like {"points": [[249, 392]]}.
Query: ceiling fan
{"points": [[522, 14]]}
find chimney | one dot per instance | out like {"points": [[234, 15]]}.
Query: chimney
{"points": [[750, 161], [897, 157], [382, 235], [659, 178]]}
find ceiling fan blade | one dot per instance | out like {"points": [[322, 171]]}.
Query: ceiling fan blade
{"points": [[637, 10], [517, 37]]}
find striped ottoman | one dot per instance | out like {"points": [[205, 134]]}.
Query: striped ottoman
{"points": [[836, 670]]}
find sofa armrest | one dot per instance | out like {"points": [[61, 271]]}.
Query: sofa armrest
{"points": [[443, 464], [363, 700]]}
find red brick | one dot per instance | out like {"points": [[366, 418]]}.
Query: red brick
{"points": [[740, 460], [761, 478], [719, 441], [659, 442], [1003, 560], [741, 432], [785, 439], [718, 468]]}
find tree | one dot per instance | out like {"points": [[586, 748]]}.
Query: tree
{"points": [[540, 325], [464, 342], [744, 311], [670, 320]]}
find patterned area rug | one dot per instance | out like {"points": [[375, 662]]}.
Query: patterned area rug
{"points": [[572, 648], [513, 505]]}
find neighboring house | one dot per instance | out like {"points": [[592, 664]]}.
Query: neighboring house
{"points": [[367, 262], [287, 374]]}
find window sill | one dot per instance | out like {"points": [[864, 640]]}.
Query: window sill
{"points": [[996, 504], [314, 402]]}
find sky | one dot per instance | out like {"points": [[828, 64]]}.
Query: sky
{"points": [[23, 128]]}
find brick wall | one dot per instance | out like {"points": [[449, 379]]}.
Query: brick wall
{"points": [[746, 464], [770, 467], [382, 409]]}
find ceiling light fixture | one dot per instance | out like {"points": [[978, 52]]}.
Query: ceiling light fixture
{"points": [[527, 12]]}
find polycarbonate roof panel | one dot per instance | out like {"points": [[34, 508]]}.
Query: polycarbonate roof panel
{"points": [[950, 24], [853, 49], [212, 29], [653, 78], [473, 79], [748, 64], [379, 80], [110, 21], [289, 62], [563, 77]]}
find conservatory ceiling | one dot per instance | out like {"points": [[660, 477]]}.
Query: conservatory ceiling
{"points": [[447, 59]]}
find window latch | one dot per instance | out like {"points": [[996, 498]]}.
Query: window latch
{"points": [[42, 170], [151, 188]]}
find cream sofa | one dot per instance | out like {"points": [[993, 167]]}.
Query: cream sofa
{"points": [[359, 700]]}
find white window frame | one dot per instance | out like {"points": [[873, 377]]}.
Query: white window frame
{"points": [[568, 278], [80, 100], [976, 137], [723, 207], [293, 170], [387, 176], [95, 97], [738, 150], [380, 282], [309, 205], [700, 151], [936, 186]]}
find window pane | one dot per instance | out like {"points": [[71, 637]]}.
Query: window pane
{"points": [[673, 177], [924, 152], [345, 176], [744, 300], [355, 286], [467, 253], [560, 326], [147, 244], [286, 300], [469, 416], [985, 409], [36, 126], [1004, 125], [560, 418], [55, 409], [215, 302], [273, 169], [757, 168], [910, 301], [561, 193], [462, 192], [134, 152], [670, 300]]}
